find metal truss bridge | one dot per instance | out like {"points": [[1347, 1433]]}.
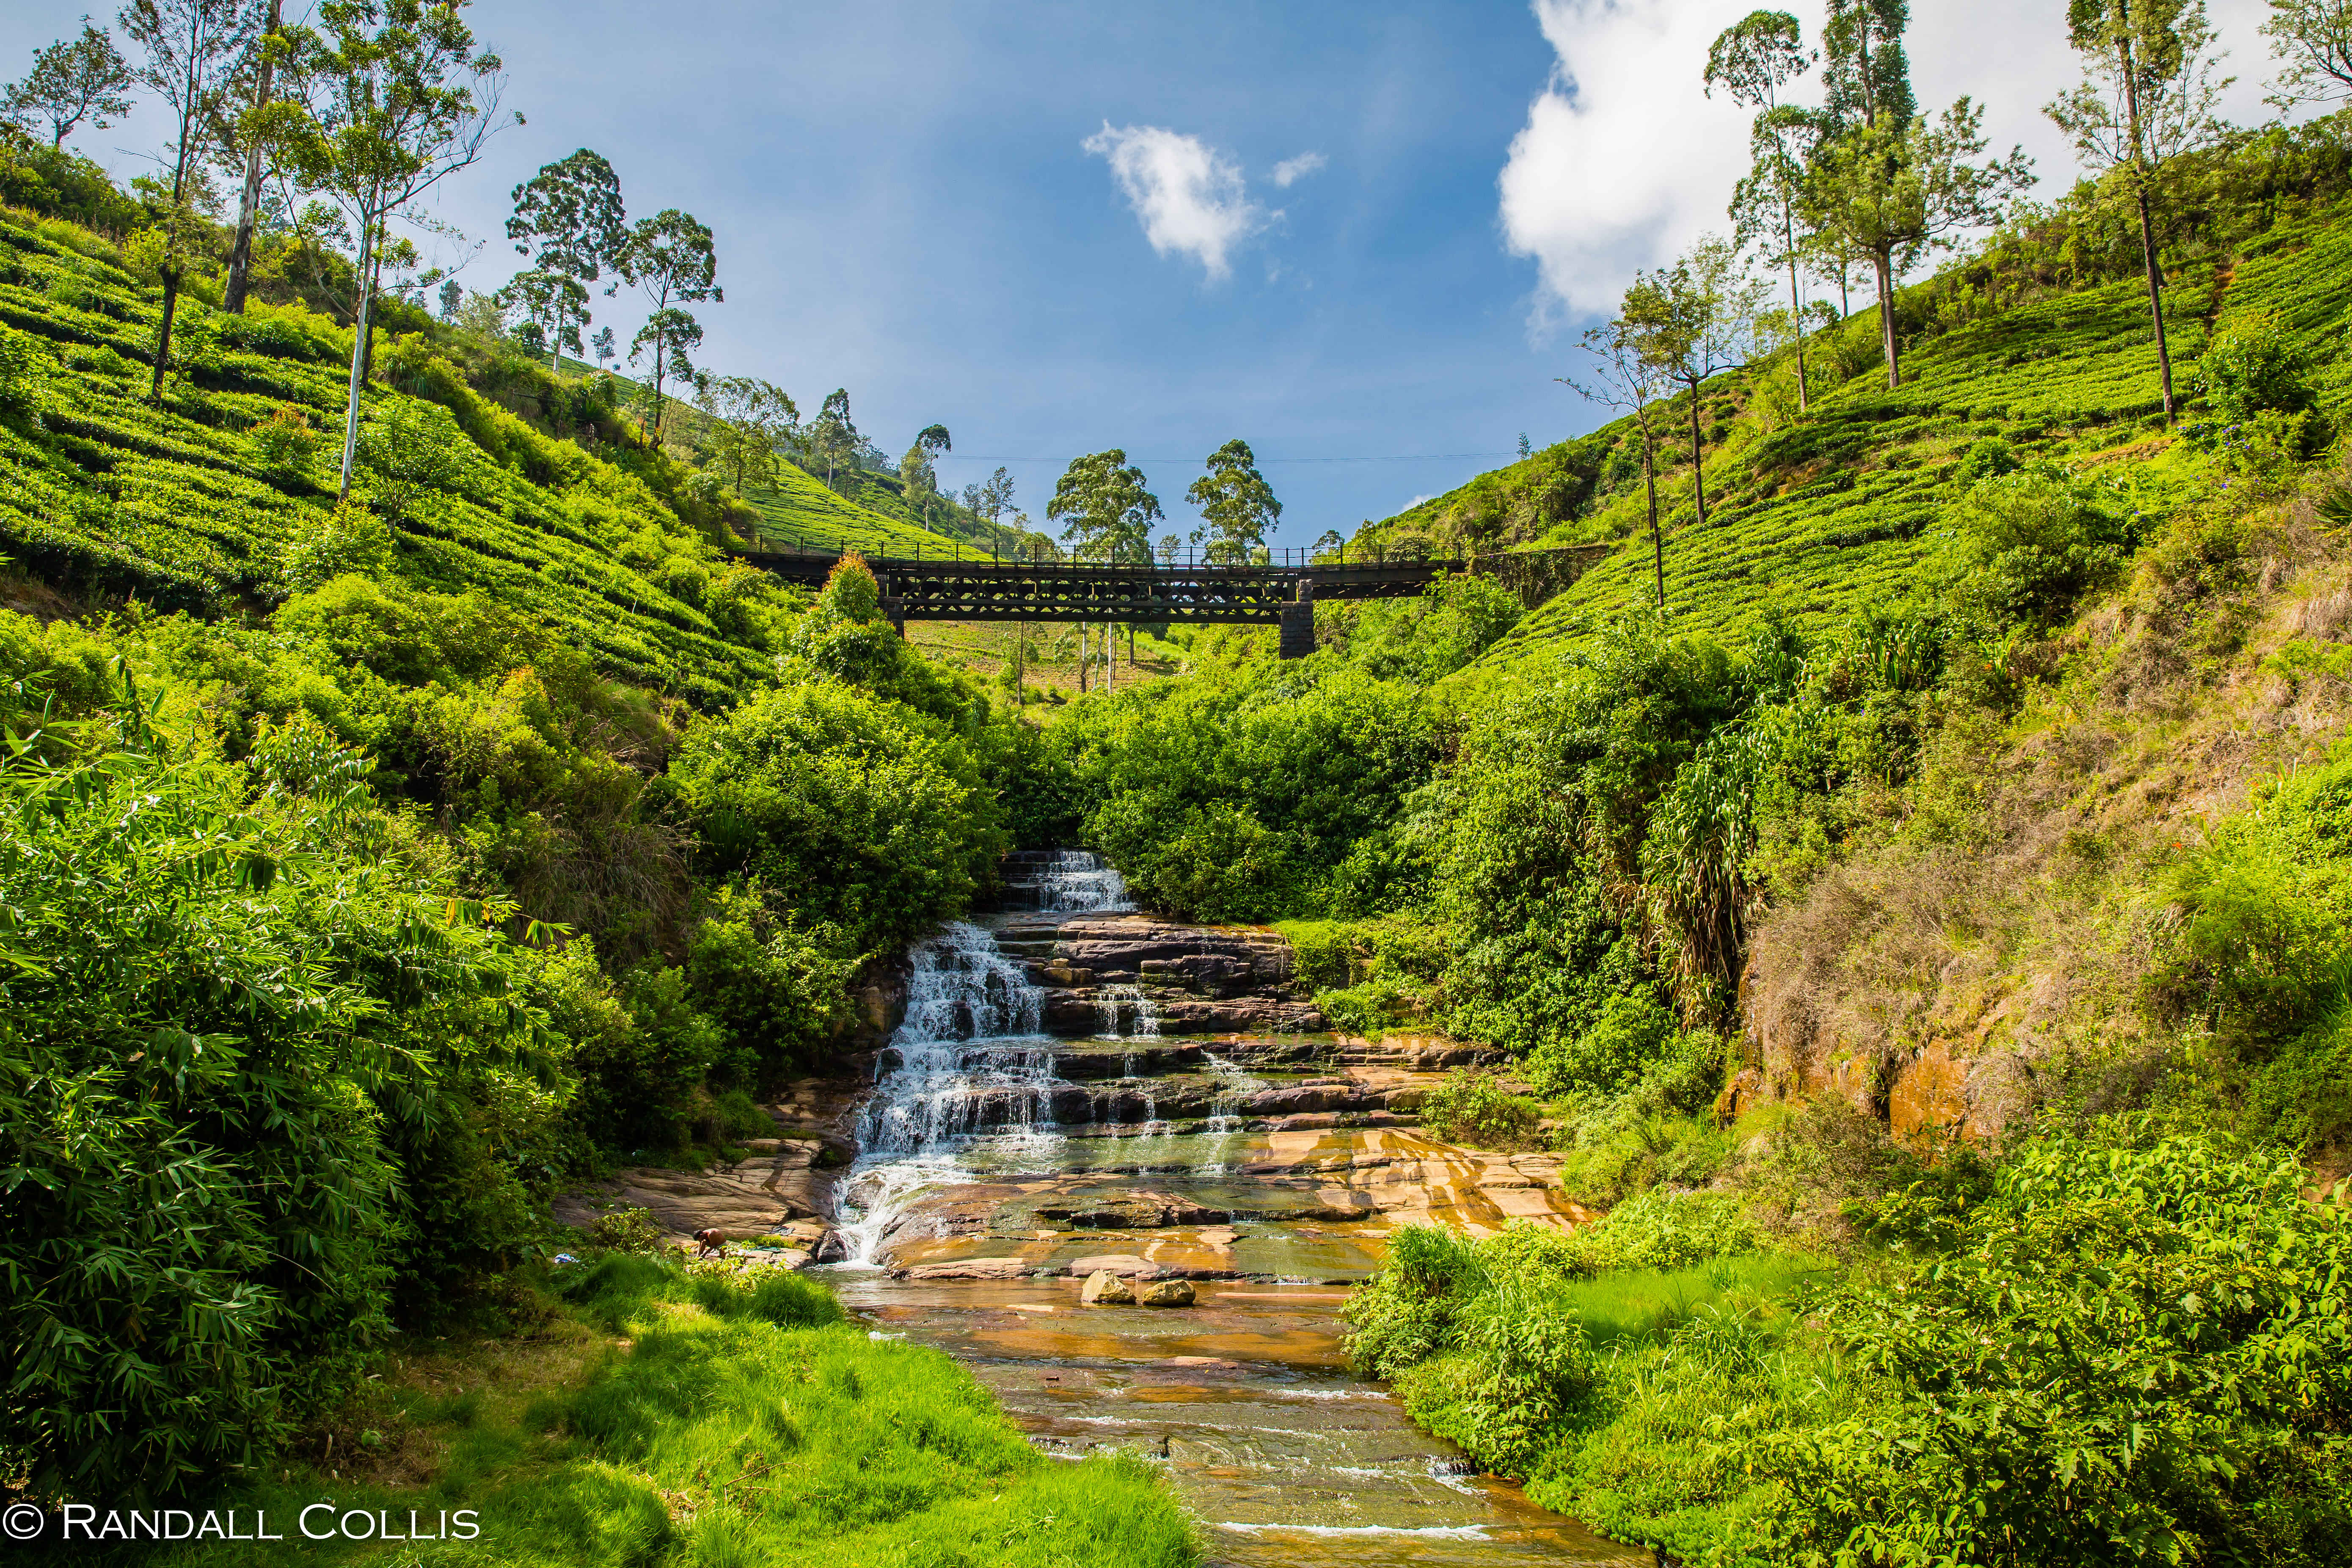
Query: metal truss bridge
{"points": [[1282, 591]]}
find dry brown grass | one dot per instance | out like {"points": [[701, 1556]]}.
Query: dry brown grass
{"points": [[1993, 951]]}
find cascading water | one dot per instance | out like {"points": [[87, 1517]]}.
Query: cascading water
{"points": [[1125, 1013], [1077, 882], [969, 1060], [1225, 1122]]}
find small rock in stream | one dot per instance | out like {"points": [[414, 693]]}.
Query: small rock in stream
{"points": [[1168, 1293], [1104, 1288]]}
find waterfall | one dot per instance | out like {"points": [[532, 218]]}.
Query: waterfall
{"points": [[1115, 1004], [969, 1060], [1078, 883], [1225, 1121]]}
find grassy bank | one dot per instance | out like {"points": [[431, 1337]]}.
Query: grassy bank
{"points": [[2116, 1346], [639, 1413]]}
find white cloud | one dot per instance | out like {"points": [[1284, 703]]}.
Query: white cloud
{"points": [[1290, 170], [1625, 161], [1189, 196], [1622, 162]]}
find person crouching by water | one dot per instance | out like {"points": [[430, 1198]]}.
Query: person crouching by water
{"points": [[709, 1244]]}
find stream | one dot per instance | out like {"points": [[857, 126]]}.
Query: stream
{"points": [[1004, 1156]]}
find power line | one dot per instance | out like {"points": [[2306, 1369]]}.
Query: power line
{"points": [[1411, 457]]}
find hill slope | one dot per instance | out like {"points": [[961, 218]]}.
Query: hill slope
{"points": [[1808, 520], [187, 503]]}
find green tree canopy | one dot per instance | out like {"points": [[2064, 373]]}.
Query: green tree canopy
{"points": [[391, 97], [568, 220], [1893, 190], [673, 259], [72, 80], [1236, 502], [1106, 510]]}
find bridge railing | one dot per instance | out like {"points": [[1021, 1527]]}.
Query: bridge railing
{"points": [[787, 541]]}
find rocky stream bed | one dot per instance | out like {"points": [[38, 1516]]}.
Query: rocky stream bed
{"points": [[1071, 1090]]}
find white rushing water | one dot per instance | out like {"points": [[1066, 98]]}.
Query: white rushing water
{"points": [[1078, 883], [969, 1060], [1125, 1013]]}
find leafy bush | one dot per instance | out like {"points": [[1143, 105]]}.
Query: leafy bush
{"points": [[24, 375], [1521, 1360], [285, 442], [252, 1086], [410, 448], [1475, 1107], [1631, 1030], [2255, 370], [777, 990], [1402, 1316], [351, 540], [851, 812], [1662, 1229], [627, 1229], [2034, 543], [2134, 1349]]}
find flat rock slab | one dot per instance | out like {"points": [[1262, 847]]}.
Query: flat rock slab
{"points": [[746, 1201], [969, 1268]]}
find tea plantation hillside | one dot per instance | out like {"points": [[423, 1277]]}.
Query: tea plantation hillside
{"points": [[202, 501], [1808, 520], [798, 509]]}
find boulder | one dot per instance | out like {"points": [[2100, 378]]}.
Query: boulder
{"points": [[1104, 1288], [1165, 1293]]}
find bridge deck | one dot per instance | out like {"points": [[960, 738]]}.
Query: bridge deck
{"points": [[981, 588]]}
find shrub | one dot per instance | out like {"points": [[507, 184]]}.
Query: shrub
{"points": [[851, 812], [1987, 458], [287, 442], [246, 1082], [318, 548], [1629, 1034], [410, 448], [2131, 1343], [2034, 542], [1401, 1316], [627, 1229], [1522, 1360], [2255, 370], [776, 989], [25, 364], [1662, 1229], [1475, 1107]]}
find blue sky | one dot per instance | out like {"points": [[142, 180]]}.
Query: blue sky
{"points": [[1055, 228]]}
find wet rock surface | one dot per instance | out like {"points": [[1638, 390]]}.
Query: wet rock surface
{"points": [[1114, 1164], [1141, 1239]]}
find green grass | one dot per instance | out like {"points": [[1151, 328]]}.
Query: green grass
{"points": [[171, 502], [1690, 1365], [723, 1428]]}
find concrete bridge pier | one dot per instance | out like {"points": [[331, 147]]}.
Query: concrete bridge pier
{"points": [[1297, 638]]}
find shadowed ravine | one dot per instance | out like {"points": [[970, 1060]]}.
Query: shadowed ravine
{"points": [[1002, 1160]]}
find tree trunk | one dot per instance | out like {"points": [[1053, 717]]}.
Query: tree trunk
{"points": [[359, 357], [1650, 483], [1796, 302], [2155, 301], [2141, 176], [249, 209], [1698, 459], [1884, 265], [658, 349]]}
